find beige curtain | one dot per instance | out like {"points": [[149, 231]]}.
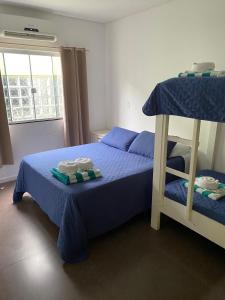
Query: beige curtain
{"points": [[6, 156], [75, 96]]}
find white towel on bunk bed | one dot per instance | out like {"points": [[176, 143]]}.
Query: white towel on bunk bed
{"points": [[206, 74], [214, 194], [203, 67]]}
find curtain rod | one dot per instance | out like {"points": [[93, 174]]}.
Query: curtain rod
{"points": [[5, 44]]}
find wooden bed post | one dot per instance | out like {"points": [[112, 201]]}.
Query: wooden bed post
{"points": [[212, 141], [159, 172], [193, 164]]}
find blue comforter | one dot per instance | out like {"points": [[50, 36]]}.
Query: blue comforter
{"points": [[214, 209], [86, 210], [198, 98]]}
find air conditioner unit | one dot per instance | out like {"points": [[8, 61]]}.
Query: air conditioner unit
{"points": [[29, 35]]}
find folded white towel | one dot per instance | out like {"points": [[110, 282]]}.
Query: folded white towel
{"points": [[85, 176], [84, 163], [203, 67], [207, 182], [72, 166], [217, 73]]}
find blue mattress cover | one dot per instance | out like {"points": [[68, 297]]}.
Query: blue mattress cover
{"points": [[85, 210], [214, 209], [198, 98]]}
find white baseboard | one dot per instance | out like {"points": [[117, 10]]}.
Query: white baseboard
{"points": [[7, 179]]}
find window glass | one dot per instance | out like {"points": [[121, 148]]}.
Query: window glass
{"points": [[42, 76], [32, 86], [5, 88]]}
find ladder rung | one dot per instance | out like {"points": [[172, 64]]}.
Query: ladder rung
{"points": [[177, 173], [180, 140], [167, 198]]}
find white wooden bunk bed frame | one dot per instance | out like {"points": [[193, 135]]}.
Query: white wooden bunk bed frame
{"points": [[212, 230]]}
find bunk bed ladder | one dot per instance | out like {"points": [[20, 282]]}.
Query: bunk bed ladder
{"points": [[160, 168], [193, 164]]}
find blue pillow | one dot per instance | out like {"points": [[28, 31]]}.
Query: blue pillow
{"points": [[119, 138], [144, 145]]}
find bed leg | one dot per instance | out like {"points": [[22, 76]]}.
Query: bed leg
{"points": [[155, 215], [159, 173], [193, 164]]}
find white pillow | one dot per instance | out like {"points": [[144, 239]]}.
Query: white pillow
{"points": [[185, 152], [180, 150]]}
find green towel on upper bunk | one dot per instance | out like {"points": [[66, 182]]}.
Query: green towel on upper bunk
{"points": [[202, 74], [76, 177], [212, 194]]}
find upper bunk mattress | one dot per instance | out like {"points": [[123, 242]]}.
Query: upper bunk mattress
{"points": [[197, 98], [213, 209]]}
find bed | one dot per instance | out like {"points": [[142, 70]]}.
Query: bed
{"points": [[212, 209], [199, 99], [85, 210]]}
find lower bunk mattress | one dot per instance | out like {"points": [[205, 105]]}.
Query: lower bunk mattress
{"points": [[213, 209], [85, 210]]}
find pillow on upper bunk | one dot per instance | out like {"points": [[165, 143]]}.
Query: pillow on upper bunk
{"points": [[120, 138], [144, 145]]}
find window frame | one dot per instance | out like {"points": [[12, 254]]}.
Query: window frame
{"points": [[24, 51]]}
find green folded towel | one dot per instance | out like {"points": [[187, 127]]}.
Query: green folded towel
{"points": [[76, 177], [212, 194], [202, 74]]}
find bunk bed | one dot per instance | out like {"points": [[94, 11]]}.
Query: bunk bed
{"points": [[199, 99]]}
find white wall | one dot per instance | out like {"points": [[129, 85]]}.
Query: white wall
{"points": [[155, 45], [34, 137]]}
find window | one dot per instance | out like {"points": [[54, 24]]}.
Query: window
{"points": [[32, 86]]}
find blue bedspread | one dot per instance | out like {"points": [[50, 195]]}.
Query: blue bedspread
{"points": [[86, 210], [198, 98], [214, 209]]}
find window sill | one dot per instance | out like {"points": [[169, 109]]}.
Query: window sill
{"points": [[34, 121]]}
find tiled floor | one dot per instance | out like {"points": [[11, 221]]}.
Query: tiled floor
{"points": [[131, 263]]}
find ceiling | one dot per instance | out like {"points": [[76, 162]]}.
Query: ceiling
{"points": [[94, 10]]}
